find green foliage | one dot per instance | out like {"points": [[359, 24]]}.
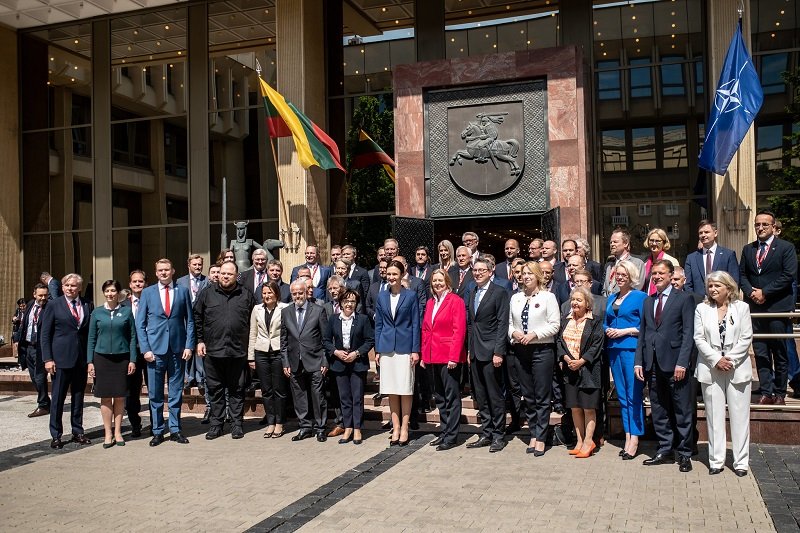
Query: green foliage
{"points": [[787, 206], [370, 189]]}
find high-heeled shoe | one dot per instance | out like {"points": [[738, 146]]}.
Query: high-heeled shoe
{"points": [[403, 442], [627, 456], [394, 442], [575, 451], [588, 453]]}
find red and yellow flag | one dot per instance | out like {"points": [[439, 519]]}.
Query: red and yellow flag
{"points": [[368, 153], [314, 146]]}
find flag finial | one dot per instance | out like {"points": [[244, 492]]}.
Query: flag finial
{"points": [[740, 9], [258, 65]]}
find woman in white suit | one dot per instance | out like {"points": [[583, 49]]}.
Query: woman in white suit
{"points": [[723, 333], [264, 356]]}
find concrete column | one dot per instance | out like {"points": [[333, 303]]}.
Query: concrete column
{"points": [[10, 217], [101, 142], [734, 195], [302, 195]]}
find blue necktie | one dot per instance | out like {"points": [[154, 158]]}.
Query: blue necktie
{"points": [[478, 295], [300, 318]]}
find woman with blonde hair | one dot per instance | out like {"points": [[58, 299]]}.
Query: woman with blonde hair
{"points": [[447, 255], [723, 333], [658, 244]]}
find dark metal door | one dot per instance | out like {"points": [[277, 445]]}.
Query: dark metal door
{"points": [[411, 233], [551, 226]]}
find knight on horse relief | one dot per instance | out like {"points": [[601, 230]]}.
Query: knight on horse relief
{"points": [[483, 145]]}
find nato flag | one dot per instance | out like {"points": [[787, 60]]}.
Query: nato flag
{"points": [[736, 103]]}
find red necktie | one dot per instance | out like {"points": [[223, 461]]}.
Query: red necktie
{"points": [[659, 308], [166, 300], [461, 277], [74, 310]]}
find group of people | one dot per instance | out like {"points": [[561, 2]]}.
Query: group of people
{"points": [[529, 335]]}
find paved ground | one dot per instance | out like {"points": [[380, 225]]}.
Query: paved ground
{"points": [[265, 485]]}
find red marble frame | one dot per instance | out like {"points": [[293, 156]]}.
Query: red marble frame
{"points": [[563, 69]]}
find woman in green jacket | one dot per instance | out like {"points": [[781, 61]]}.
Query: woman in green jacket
{"points": [[111, 354]]}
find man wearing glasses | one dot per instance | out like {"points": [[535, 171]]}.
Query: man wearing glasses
{"points": [[766, 271], [470, 240]]}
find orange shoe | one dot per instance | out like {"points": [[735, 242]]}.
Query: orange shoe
{"points": [[575, 451], [584, 455]]}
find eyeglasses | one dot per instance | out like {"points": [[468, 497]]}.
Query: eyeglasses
{"points": [[580, 281], [349, 302], [656, 241], [480, 270]]}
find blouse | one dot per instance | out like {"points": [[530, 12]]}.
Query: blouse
{"points": [[572, 334]]}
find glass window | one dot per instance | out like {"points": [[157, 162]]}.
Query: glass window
{"points": [[141, 248], [641, 84], [769, 147], [772, 66], [643, 148], [614, 150], [674, 146], [609, 83], [672, 79]]}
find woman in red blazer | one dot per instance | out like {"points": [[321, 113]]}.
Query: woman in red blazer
{"points": [[444, 330]]}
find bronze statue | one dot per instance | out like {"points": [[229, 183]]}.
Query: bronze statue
{"points": [[483, 144], [243, 247]]}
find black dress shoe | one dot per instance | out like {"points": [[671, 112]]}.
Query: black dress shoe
{"points": [[321, 436], [214, 432], [302, 434], [685, 463], [206, 416], [136, 431], [741, 472], [80, 439], [56, 444], [497, 446], [237, 433], [446, 446], [156, 440], [513, 428], [714, 471], [179, 438], [435, 442], [480, 443], [660, 459]]}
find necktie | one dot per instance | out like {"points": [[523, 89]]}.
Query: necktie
{"points": [[336, 308], [461, 277], [195, 284], [166, 300], [35, 324], [75, 311], [708, 262], [383, 286], [659, 308], [300, 317], [510, 271], [135, 305], [525, 316], [259, 279], [478, 296], [762, 253]]}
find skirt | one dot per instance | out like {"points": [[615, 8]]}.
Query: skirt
{"points": [[581, 398], [397, 374], [111, 375]]}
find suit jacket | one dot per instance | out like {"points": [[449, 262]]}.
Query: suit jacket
{"points": [[560, 272], [162, 334], [598, 309], [597, 271], [487, 328], [400, 333], [421, 289], [184, 282], [443, 337], [501, 270], [285, 295], [362, 339], [248, 280], [671, 343], [610, 282], [304, 345], [112, 336], [562, 291], [426, 274], [500, 282], [264, 337], [372, 298], [27, 316], [629, 315], [61, 338], [360, 275], [738, 337], [459, 288], [54, 289], [325, 272], [592, 340], [778, 272], [695, 268]]}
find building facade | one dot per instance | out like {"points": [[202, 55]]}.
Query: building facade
{"points": [[120, 128]]}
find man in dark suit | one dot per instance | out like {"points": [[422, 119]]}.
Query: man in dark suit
{"points": [[500, 281], [708, 258], [461, 272], [165, 330], [304, 325], [356, 273], [53, 285], [317, 273], [569, 247], [275, 273], [574, 264], [30, 350], [422, 268], [767, 269], [371, 272], [374, 288], [594, 267], [665, 357], [133, 404], [194, 282], [64, 333], [487, 339], [535, 250], [505, 269], [253, 278], [390, 249]]}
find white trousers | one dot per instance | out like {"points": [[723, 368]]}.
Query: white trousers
{"points": [[738, 399]]}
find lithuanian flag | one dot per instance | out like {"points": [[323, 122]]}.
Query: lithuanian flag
{"points": [[314, 146], [368, 153]]}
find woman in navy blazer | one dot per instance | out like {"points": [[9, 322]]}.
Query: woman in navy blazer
{"points": [[444, 330], [622, 323], [397, 345], [349, 340]]}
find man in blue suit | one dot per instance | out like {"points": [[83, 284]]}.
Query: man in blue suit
{"points": [[709, 258], [53, 285], [165, 329], [319, 273], [63, 334]]}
